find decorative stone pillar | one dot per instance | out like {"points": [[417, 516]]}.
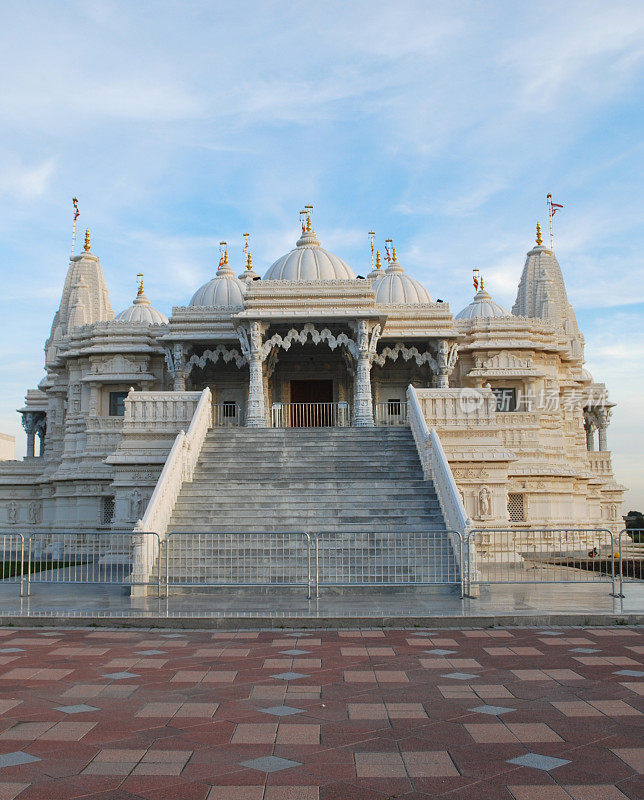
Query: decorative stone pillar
{"points": [[589, 427], [176, 361], [603, 418], [29, 424], [445, 361], [363, 408], [256, 411], [41, 433]]}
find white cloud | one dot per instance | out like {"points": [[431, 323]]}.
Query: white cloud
{"points": [[23, 182]]}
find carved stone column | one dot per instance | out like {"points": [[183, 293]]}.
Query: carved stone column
{"points": [[603, 418], [589, 427], [445, 360], [41, 433], [176, 361], [256, 411], [363, 407], [29, 424]]}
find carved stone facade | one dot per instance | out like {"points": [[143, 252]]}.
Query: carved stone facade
{"points": [[117, 392]]}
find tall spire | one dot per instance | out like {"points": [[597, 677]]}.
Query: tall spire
{"points": [[85, 299]]}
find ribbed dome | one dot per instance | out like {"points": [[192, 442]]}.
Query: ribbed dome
{"points": [[397, 287], [142, 311], [309, 262], [224, 290], [482, 306]]}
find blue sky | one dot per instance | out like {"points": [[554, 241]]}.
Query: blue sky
{"points": [[442, 125]]}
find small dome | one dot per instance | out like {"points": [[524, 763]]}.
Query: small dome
{"points": [[309, 262], [224, 290], [586, 376], [482, 306], [397, 287], [141, 311]]}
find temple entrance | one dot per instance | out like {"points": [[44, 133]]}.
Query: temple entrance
{"points": [[311, 404]]}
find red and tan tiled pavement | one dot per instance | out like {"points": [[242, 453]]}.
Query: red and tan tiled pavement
{"points": [[377, 715]]}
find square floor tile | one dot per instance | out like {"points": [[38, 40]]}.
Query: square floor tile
{"points": [[537, 761], [438, 652], [270, 764], [118, 676], [493, 710], [289, 676], [79, 709], [172, 635], [282, 711], [460, 676], [294, 652], [16, 758]]}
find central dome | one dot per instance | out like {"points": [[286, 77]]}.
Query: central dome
{"points": [[309, 262]]}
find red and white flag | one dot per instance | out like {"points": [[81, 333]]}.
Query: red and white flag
{"points": [[476, 283], [76, 211], [554, 207]]}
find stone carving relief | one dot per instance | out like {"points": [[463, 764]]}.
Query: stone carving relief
{"points": [[399, 349], [116, 366], [137, 505], [310, 331], [34, 512], [221, 351], [12, 512], [506, 360], [485, 503]]}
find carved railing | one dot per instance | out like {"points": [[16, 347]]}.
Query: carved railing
{"points": [[599, 462], [179, 467], [437, 468], [143, 409], [457, 407]]}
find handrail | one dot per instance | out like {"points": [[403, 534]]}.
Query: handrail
{"points": [[436, 466], [179, 467]]}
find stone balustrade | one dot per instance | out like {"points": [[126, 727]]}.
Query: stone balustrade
{"points": [[599, 462], [457, 407], [165, 409]]}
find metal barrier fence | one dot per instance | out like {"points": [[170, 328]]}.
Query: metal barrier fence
{"points": [[323, 559], [630, 545], [109, 557], [238, 559], [541, 555], [389, 558]]}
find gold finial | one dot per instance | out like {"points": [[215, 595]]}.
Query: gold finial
{"points": [[309, 227], [226, 256], [394, 253], [87, 240], [539, 237], [140, 284], [378, 264], [249, 261], [482, 284]]}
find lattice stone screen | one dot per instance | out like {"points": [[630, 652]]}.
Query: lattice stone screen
{"points": [[107, 510], [516, 507]]}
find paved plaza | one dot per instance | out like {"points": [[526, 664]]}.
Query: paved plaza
{"points": [[362, 714]]}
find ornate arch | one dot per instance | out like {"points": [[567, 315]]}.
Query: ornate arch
{"points": [[399, 349], [221, 351], [316, 336]]}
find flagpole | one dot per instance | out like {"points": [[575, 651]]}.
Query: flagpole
{"points": [[75, 203], [552, 238]]}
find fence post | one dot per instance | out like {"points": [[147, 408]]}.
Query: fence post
{"points": [[22, 565]]}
